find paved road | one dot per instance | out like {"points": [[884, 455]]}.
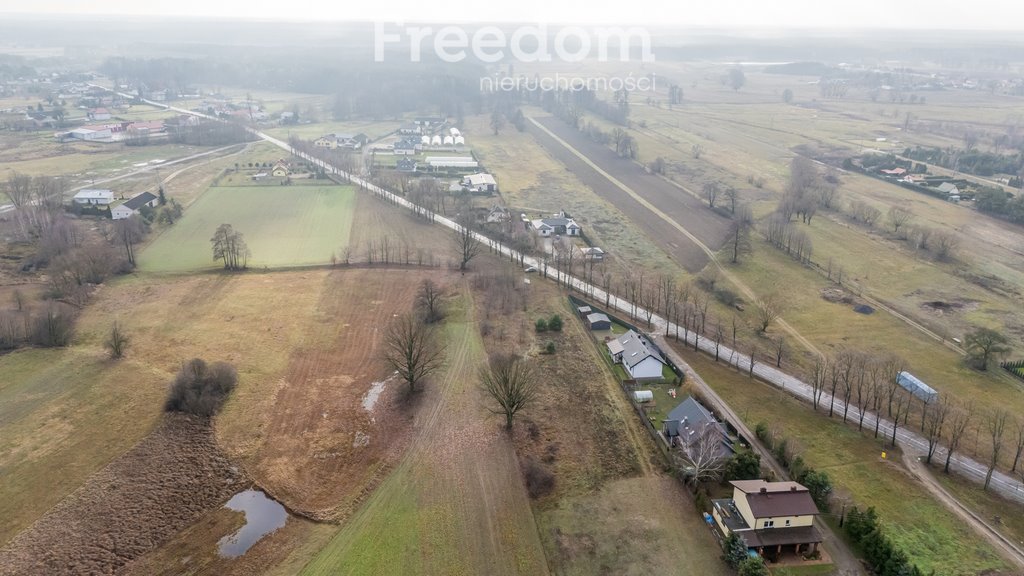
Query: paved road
{"points": [[908, 439]]}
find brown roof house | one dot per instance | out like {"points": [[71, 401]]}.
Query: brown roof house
{"points": [[773, 518]]}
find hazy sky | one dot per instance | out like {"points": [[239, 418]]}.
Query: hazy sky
{"points": [[944, 14]]}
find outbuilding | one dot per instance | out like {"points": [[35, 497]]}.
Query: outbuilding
{"points": [[598, 321]]}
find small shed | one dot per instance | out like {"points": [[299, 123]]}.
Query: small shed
{"points": [[584, 310], [916, 387], [598, 321], [642, 396]]}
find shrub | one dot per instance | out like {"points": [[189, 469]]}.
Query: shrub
{"points": [[753, 567], [541, 325], [763, 434], [539, 480], [735, 550], [550, 348], [703, 502], [201, 389], [117, 341], [53, 328], [555, 324], [744, 465]]}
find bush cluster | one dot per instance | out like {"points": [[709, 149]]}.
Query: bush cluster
{"points": [[200, 389]]}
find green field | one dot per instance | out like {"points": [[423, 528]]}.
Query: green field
{"points": [[283, 226]]}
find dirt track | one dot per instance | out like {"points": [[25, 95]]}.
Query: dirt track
{"points": [[711, 228], [136, 502]]}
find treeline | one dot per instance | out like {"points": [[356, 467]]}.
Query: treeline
{"points": [[361, 88], [208, 133], [22, 325], [971, 160], [1002, 204], [818, 483]]}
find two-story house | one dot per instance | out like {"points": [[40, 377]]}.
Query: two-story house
{"points": [[773, 518]]}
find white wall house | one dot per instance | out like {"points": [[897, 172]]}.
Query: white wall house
{"points": [[102, 197], [133, 205]]}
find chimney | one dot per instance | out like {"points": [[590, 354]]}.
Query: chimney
{"points": [[792, 488], [764, 490]]}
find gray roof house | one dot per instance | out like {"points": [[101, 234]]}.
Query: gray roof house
{"points": [[690, 417], [638, 356]]}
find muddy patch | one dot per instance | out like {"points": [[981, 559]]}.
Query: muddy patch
{"points": [[134, 504], [942, 307]]}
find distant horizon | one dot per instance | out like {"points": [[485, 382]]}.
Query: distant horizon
{"points": [[728, 15]]}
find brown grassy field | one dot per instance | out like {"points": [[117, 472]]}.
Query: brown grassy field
{"points": [[141, 498]]}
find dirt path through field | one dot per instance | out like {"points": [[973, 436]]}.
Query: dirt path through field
{"points": [[711, 256], [1007, 549]]}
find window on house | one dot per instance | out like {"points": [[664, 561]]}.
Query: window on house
{"points": [[787, 522], [769, 523]]}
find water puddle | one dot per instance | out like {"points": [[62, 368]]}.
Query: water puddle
{"points": [[376, 389], [262, 516]]}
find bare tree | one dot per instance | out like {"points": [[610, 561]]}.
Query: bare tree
{"points": [[1018, 445], [961, 418], [511, 383], [19, 189], [700, 456], [466, 245], [996, 425], [819, 378], [768, 311], [116, 342], [934, 426], [902, 408], [739, 240], [430, 300], [780, 347], [733, 196], [711, 192], [412, 349], [898, 217], [129, 232], [944, 243]]}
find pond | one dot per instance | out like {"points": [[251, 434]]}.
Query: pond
{"points": [[262, 516]]}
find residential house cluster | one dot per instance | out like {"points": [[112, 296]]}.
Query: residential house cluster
{"points": [[342, 141]]}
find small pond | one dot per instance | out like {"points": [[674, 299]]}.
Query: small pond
{"points": [[262, 516]]}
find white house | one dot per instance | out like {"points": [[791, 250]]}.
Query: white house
{"points": [[133, 205], [87, 196], [99, 114], [640, 359], [558, 224], [90, 135]]}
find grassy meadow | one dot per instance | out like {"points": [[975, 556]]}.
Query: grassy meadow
{"points": [[283, 226]]}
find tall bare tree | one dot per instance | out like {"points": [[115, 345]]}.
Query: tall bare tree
{"points": [[1018, 445], [934, 426], [899, 217], [711, 192], [430, 299], [903, 402], [412, 349], [996, 426], [819, 378], [958, 423], [129, 232], [511, 383], [466, 245], [768, 311], [19, 189]]}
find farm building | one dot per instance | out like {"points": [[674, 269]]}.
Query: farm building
{"points": [[89, 134], [280, 170], [949, 189], [346, 141], [406, 146], [94, 197], [436, 140], [638, 356], [916, 387], [593, 253], [459, 140], [498, 214], [584, 311], [99, 114], [409, 129], [598, 321], [443, 162], [481, 182], [133, 205]]}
